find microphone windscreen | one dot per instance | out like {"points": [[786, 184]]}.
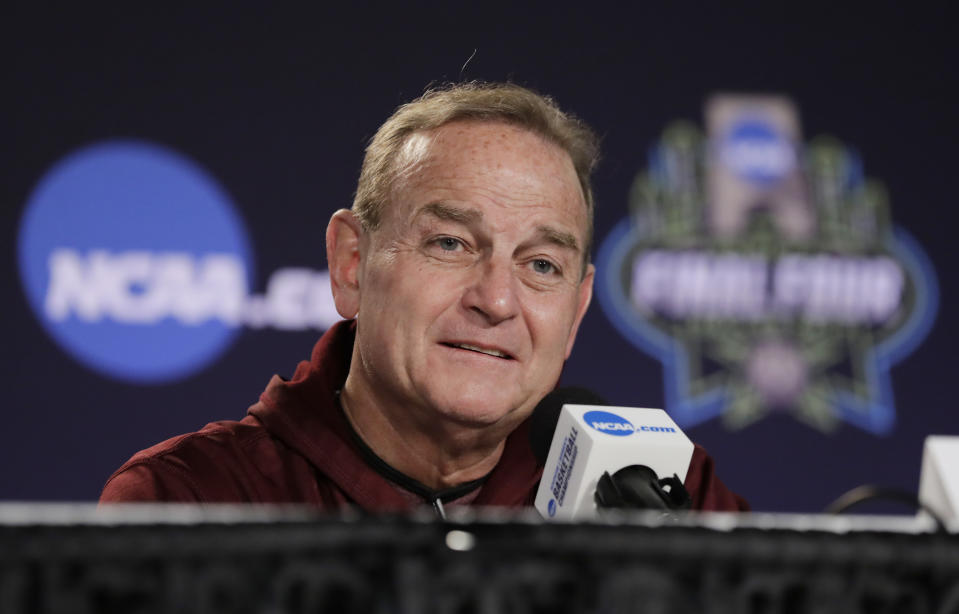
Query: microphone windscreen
{"points": [[543, 421]]}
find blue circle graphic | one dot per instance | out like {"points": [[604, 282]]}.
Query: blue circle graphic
{"points": [[754, 150], [134, 260], [609, 423]]}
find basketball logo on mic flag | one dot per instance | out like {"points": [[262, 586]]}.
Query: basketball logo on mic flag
{"points": [[609, 423], [765, 273]]}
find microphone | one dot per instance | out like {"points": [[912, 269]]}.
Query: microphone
{"points": [[597, 456]]}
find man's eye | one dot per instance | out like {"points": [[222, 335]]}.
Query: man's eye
{"points": [[448, 244], [544, 267]]}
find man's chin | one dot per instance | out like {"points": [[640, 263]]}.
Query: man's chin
{"points": [[481, 413]]}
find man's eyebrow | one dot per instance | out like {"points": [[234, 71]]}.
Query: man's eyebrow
{"points": [[559, 237], [469, 216], [452, 214]]}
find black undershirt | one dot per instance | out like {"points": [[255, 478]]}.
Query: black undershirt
{"points": [[431, 496]]}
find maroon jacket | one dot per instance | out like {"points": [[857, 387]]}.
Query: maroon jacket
{"points": [[295, 446]]}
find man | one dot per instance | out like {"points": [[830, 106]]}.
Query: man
{"points": [[463, 273]]}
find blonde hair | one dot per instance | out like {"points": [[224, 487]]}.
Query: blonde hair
{"points": [[479, 101]]}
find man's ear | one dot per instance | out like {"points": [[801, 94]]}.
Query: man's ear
{"points": [[585, 295], [344, 235]]}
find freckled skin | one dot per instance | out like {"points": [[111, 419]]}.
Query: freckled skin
{"points": [[475, 249]]}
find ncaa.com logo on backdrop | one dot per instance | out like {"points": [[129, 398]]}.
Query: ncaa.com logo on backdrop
{"points": [[136, 262]]}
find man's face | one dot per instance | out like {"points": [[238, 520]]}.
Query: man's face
{"points": [[472, 288]]}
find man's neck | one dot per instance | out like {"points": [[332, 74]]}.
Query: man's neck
{"points": [[443, 457]]}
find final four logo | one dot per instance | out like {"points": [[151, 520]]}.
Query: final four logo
{"points": [[765, 273]]}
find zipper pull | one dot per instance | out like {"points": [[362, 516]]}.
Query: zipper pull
{"points": [[438, 508]]}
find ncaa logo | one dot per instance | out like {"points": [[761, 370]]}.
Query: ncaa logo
{"points": [[757, 152], [609, 423], [134, 261]]}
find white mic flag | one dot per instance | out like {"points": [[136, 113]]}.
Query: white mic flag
{"points": [[590, 440]]}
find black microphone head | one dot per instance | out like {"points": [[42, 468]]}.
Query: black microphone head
{"points": [[546, 415], [638, 487]]}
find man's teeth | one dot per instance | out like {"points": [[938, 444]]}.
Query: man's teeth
{"points": [[496, 353]]}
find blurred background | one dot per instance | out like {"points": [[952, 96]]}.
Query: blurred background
{"points": [[775, 207]]}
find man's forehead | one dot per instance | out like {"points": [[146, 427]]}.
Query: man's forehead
{"points": [[462, 147], [439, 164], [548, 232], [478, 133]]}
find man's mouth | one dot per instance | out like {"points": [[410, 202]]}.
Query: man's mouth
{"points": [[481, 350]]}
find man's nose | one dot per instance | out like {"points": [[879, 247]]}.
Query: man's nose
{"points": [[493, 292]]}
